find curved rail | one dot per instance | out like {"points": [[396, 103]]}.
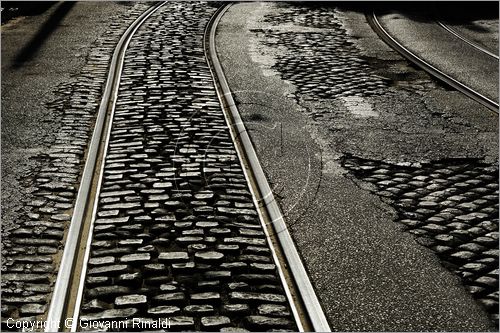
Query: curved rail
{"points": [[386, 37], [471, 43], [256, 177], [59, 303]]}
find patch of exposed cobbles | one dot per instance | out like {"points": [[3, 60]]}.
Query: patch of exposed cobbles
{"points": [[320, 61], [33, 240], [177, 235], [452, 208]]}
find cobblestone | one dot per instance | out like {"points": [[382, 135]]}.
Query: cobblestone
{"points": [[460, 222], [177, 234]]}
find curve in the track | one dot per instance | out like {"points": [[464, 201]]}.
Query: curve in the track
{"points": [[393, 43], [464, 39]]}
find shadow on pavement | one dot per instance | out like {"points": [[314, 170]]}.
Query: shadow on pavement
{"points": [[454, 12], [11, 9], [31, 48]]}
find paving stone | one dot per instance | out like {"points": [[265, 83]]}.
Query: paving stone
{"points": [[107, 291], [262, 297], [155, 268], [126, 242], [232, 248], [121, 206], [136, 258], [41, 299], [463, 255], [102, 261], [273, 310], [236, 309], [218, 275], [110, 314], [199, 309], [488, 281], [209, 256], [96, 305], [32, 309], [173, 298], [214, 321], [238, 286], [114, 220], [97, 280], [179, 322], [263, 322], [472, 247], [475, 267], [108, 270], [22, 277], [173, 257], [130, 300], [164, 310], [208, 297], [245, 241]]}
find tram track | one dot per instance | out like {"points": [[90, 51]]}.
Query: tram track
{"points": [[69, 289], [84, 210], [428, 67], [255, 175], [466, 40]]}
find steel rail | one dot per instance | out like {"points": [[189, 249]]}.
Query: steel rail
{"points": [[76, 314], [471, 43], [393, 43], [248, 156], [58, 306]]}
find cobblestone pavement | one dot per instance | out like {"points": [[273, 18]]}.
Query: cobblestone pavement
{"points": [[177, 233], [32, 236], [452, 208], [328, 64]]}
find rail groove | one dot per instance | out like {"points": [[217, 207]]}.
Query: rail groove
{"points": [[261, 189], [393, 43]]}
